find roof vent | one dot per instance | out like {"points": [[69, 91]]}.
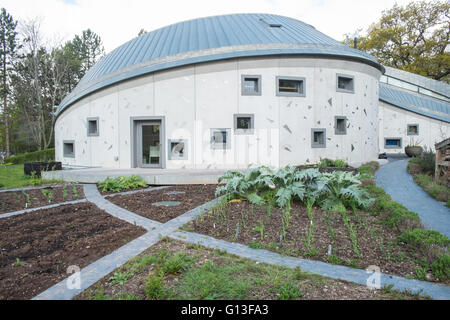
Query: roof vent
{"points": [[270, 23]]}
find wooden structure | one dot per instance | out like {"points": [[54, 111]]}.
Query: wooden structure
{"points": [[442, 174]]}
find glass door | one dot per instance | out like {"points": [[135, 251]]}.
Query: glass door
{"points": [[149, 144]]}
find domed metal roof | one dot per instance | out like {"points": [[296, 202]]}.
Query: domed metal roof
{"points": [[210, 39]]}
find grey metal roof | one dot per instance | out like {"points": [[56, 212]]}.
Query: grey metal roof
{"points": [[210, 39], [424, 105], [440, 87]]}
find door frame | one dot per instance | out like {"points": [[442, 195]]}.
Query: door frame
{"points": [[134, 125]]}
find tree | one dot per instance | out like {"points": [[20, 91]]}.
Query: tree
{"points": [[89, 48], [8, 48], [413, 38]]}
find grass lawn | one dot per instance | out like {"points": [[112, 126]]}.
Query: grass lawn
{"points": [[176, 270], [12, 176]]}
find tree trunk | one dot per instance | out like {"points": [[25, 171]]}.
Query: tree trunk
{"points": [[5, 112]]}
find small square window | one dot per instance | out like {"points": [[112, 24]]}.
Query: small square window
{"points": [[393, 143], [244, 123], [290, 86], [178, 150], [318, 137], [92, 124], [413, 129], [340, 125], [251, 85], [69, 149], [345, 83], [220, 138]]}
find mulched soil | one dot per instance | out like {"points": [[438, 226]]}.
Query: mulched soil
{"points": [[313, 288], [49, 241], [141, 203], [27, 199], [375, 242]]}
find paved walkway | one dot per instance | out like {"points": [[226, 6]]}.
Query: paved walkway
{"points": [[399, 184]]}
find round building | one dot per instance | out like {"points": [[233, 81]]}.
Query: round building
{"points": [[233, 91]]}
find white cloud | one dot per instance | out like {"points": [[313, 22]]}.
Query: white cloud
{"points": [[118, 21]]}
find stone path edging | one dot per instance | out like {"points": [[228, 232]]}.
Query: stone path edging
{"points": [[17, 213], [359, 276], [102, 267], [32, 188], [93, 195]]}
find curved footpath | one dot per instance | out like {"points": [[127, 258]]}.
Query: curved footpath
{"points": [[399, 184]]}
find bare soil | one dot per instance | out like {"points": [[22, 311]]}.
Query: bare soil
{"points": [[27, 199], [242, 222], [37, 248], [190, 197]]}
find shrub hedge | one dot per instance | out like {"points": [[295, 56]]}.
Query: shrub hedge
{"points": [[38, 156]]}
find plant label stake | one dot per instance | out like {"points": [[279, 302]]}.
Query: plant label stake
{"points": [[330, 249]]}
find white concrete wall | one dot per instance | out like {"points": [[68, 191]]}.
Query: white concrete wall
{"points": [[196, 98], [394, 124]]}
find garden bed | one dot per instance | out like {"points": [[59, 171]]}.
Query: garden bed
{"points": [[188, 196], [38, 247], [176, 270], [376, 243], [27, 199]]}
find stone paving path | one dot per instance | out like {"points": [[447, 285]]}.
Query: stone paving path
{"points": [[399, 184], [97, 270], [17, 213]]}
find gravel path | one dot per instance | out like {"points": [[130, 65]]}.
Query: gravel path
{"points": [[399, 184]]}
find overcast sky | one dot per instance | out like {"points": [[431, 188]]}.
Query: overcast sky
{"points": [[117, 21]]}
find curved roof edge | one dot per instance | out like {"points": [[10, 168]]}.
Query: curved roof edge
{"points": [[426, 106], [212, 55]]}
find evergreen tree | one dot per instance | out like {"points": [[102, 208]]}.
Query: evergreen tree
{"points": [[8, 51]]}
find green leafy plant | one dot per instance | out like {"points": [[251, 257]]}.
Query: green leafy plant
{"points": [[122, 183], [260, 229], [154, 286], [48, 194], [288, 291], [19, 263]]}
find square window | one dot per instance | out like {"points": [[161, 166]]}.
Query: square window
{"points": [[251, 85], [220, 139], [92, 126], [178, 150], [244, 123], [340, 125], [318, 137], [345, 83], [290, 86], [413, 129], [393, 143], [69, 149]]}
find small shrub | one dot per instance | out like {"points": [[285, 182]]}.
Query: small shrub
{"points": [[154, 287], [421, 273], [38, 156], [120, 277], [426, 162], [334, 260], [340, 163], [122, 183], [326, 163], [441, 267], [288, 291], [424, 238], [179, 262]]}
